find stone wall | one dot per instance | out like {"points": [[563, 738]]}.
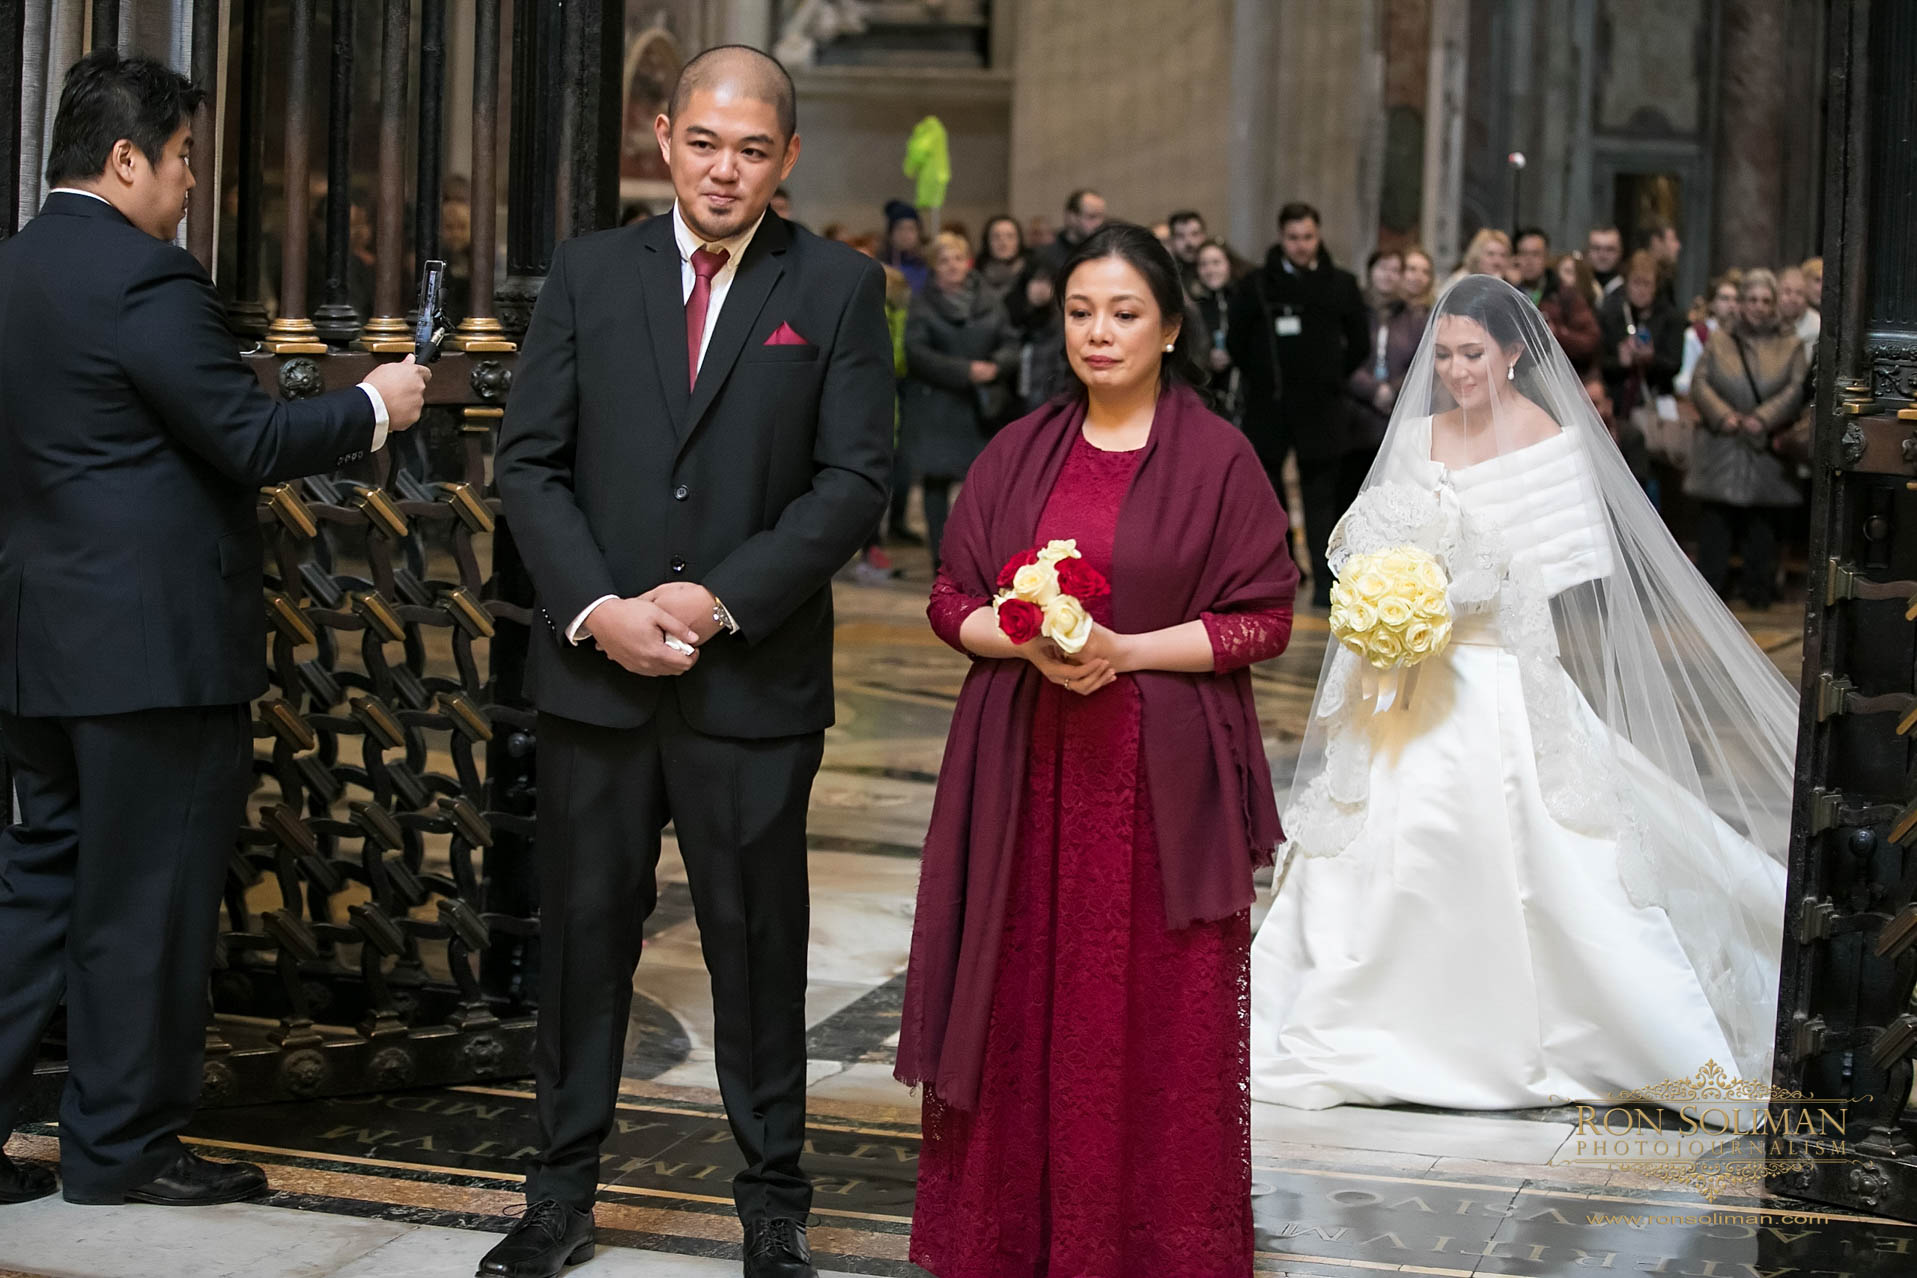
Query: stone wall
{"points": [[1131, 97], [854, 122]]}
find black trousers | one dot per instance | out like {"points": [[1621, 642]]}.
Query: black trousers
{"points": [[938, 508], [1330, 485], [1752, 532], [110, 895], [739, 808], [901, 489]]}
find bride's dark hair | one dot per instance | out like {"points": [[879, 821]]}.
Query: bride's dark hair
{"points": [[1138, 248], [1511, 320]]}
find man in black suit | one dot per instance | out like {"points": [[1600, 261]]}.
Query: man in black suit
{"points": [[699, 436], [1297, 332], [133, 442]]}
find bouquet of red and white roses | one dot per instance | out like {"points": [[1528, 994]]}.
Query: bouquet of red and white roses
{"points": [[1049, 592]]}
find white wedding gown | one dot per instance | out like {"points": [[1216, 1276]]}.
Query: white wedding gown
{"points": [[1467, 950]]}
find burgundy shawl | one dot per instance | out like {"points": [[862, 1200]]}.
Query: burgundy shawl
{"points": [[1200, 531]]}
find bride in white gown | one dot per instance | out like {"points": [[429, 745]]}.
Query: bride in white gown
{"points": [[1549, 864]]}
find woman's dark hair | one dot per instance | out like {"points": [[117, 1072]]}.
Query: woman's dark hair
{"points": [[1139, 249], [107, 97], [985, 237], [1502, 311], [1378, 255]]}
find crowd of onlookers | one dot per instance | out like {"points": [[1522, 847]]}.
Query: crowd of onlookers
{"points": [[1708, 400]]}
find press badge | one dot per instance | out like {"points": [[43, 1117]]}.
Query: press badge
{"points": [[1289, 326]]}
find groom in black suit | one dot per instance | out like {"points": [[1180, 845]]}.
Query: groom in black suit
{"points": [[699, 436], [133, 444]]}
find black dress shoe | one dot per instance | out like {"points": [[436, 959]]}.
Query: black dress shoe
{"points": [[193, 1181], [24, 1182], [547, 1238], [776, 1249]]}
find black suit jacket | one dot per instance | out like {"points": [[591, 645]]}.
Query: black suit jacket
{"points": [[133, 442], [759, 483], [1294, 384]]}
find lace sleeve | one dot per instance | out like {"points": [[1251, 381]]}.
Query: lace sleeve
{"points": [[949, 607], [1240, 639]]}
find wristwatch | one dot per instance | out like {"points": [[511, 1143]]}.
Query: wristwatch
{"points": [[723, 617]]}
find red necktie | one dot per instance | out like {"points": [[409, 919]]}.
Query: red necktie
{"points": [[705, 265]]}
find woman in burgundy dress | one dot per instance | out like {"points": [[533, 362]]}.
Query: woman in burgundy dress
{"points": [[1076, 1005]]}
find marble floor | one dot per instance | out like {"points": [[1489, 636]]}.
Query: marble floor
{"points": [[418, 1182]]}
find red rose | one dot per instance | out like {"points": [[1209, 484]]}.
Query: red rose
{"points": [[1081, 581], [1012, 565], [1021, 620]]}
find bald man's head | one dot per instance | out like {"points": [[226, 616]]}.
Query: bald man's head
{"points": [[739, 70]]}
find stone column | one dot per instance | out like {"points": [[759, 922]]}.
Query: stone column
{"points": [[1751, 126], [1251, 116], [64, 34], [745, 22], [1444, 131], [1326, 133], [33, 89]]}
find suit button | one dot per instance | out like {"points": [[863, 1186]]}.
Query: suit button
{"points": [[681, 493], [678, 564]]}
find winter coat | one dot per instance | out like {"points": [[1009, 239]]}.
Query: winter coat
{"points": [[944, 416], [1733, 466], [1296, 336], [1403, 327]]}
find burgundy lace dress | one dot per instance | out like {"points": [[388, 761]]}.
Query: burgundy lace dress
{"points": [[1112, 1134]]}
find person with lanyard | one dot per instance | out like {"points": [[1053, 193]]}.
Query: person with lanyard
{"points": [[1641, 349]]}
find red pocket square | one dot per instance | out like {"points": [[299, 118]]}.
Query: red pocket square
{"points": [[786, 335]]}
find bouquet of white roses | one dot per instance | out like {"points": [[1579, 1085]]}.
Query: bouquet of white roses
{"points": [[1391, 606]]}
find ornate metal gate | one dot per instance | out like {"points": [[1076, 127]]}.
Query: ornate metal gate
{"points": [[1847, 1009], [380, 924]]}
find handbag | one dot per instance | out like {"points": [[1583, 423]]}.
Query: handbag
{"points": [[1665, 429], [1666, 433], [1793, 443]]}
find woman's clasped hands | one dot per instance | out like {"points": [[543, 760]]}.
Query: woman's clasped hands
{"points": [[1083, 672]]}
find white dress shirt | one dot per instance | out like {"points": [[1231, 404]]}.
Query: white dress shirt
{"points": [[1809, 326], [721, 282], [689, 244], [382, 421]]}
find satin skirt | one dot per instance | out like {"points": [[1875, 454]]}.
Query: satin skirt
{"points": [[1470, 952]]}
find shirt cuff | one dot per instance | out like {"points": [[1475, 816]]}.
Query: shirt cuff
{"points": [[577, 630], [382, 421]]}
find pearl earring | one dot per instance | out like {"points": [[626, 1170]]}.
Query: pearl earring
{"points": [[1511, 373], [1170, 347]]}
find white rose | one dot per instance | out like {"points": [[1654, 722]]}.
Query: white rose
{"points": [[1417, 638], [1384, 648], [1067, 624], [1394, 611], [1059, 549], [1037, 582], [1403, 561], [1360, 616], [1371, 584]]}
